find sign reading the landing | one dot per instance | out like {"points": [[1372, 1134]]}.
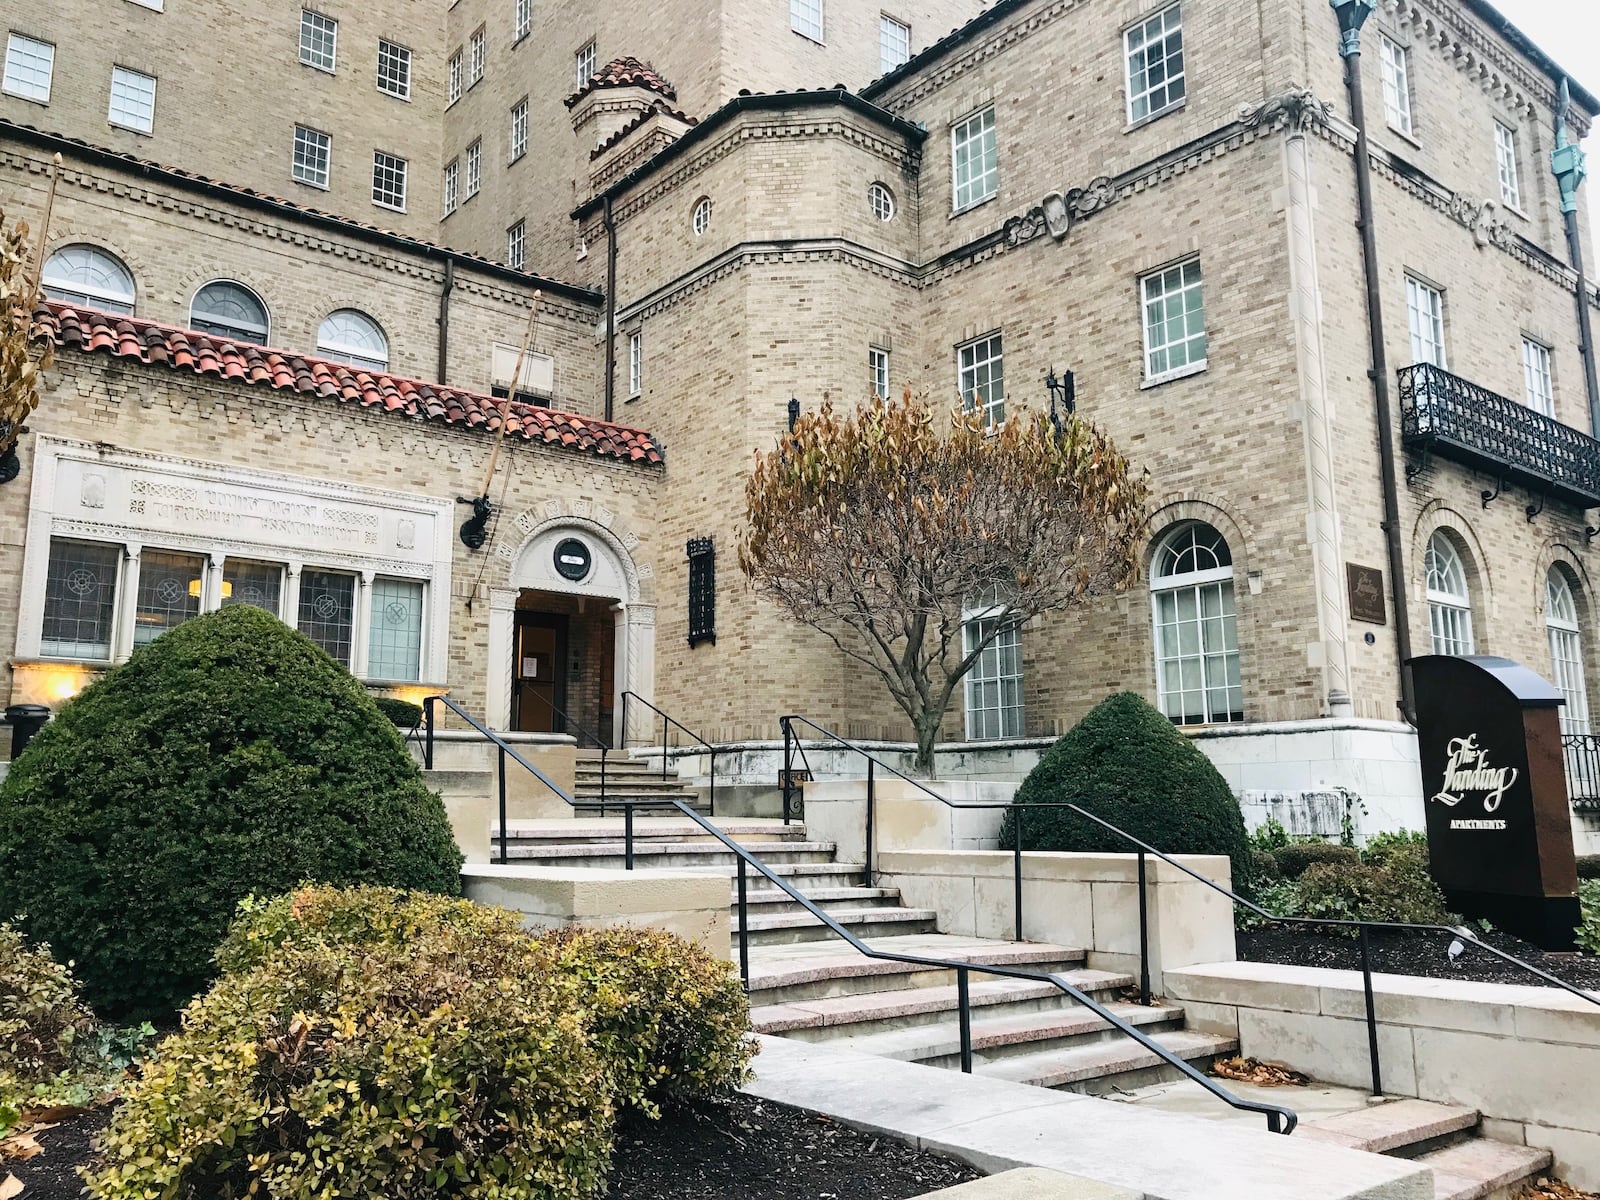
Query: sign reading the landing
{"points": [[1499, 829]]}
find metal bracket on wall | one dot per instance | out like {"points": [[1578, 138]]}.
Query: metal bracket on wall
{"points": [[1416, 465], [1486, 495], [1590, 532], [1533, 510]]}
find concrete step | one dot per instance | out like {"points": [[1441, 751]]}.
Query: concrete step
{"points": [[582, 831], [778, 929], [766, 901], [1397, 1127], [823, 1020], [1110, 1065], [1481, 1169], [676, 854]]}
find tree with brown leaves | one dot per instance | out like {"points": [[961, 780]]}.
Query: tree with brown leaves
{"points": [[20, 372]]}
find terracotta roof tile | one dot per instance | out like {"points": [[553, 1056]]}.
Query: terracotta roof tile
{"points": [[660, 106], [624, 72], [147, 342]]}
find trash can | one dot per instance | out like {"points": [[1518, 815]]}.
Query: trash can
{"points": [[25, 721]]}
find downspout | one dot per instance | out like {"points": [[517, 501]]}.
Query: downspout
{"points": [[611, 305], [444, 318], [1352, 15], [1567, 163]]}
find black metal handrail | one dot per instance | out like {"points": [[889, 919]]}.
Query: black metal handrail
{"points": [[1582, 752], [666, 720], [604, 746]]}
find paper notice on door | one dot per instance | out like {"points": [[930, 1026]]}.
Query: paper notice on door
{"points": [[530, 668]]}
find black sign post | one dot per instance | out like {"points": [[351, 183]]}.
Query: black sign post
{"points": [[1495, 790]]}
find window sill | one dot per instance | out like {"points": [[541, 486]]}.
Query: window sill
{"points": [[393, 95], [961, 212], [131, 129], [517, 41], [315, 67], [1177, 106], [388, 207], [516, 158], [1194, 368], [1512, 208], [815, 41], [1410, 138], [321, 187], [474, 83], [45, 103], [632, 398]]}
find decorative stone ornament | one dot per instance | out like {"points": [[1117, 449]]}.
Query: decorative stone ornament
{"points": [[1056, 213], [1297, 110]]}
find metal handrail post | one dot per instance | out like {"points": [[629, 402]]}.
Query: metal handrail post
{"points": [[744, 926], [1016, 873], [712, 804], [663, 746], [427, 746], [623, 727], [1144, 936], [627, 834], [964, 1002], [604, 750], [786, 780], [503, 856], [1372, 1013], [872, 806]]}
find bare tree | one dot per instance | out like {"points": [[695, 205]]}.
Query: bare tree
{"points": [[20, 371], [886, 526]]}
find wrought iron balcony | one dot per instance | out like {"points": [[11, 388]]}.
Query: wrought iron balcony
{"points": [[1582, 752], [1459, 420]]}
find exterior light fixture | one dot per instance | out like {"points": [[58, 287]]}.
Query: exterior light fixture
{"points": [[1063, 396], [794, 412]]}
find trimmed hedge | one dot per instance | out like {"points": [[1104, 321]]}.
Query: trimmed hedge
{"points": [[229, 756], [402, 713], [1589, 866], [1129, 765], [1294, 859], [1400, 890]]}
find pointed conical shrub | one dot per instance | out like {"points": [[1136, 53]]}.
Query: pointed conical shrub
{"points": [[1127, 764], [230, 756]]}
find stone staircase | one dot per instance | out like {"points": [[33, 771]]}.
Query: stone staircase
{"points": [[627, 778]]}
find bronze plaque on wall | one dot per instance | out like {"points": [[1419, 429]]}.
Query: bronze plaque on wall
{"points": [[1366, 594]]}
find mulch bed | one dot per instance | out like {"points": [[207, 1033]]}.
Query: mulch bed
{"points": [[734, 1150], [1405, 953]]}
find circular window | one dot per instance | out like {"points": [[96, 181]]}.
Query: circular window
{"points": [[881, 200], [572, 559], [702, 215]]}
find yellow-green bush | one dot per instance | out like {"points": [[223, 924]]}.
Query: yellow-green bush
{"points": [[41, 1017]]}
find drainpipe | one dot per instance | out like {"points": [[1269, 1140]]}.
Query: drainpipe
{"points": [[444, 317], [1567, 163], [1352, 15], [611, 305]]}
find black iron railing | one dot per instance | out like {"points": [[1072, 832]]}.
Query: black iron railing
{"points": [[1582, 752], [1458, 419], [667, 725], [584, 737]]}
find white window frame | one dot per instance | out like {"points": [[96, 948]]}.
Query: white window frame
{"points": [[350, 352], [397, 169], [314, 26], [265, 328], [1449, 597], [454, 72], [1007, 718], [584, 63], [1538, 386], [141, 117], [806, 19], [452, 181], [700, 217], [635, 363], [24, 55], [880, 201], [521, 21], [981, 179], [474, 178], [878, 371], [516, 244], [1425, 321], [399, 74], [477, 55], [1565, 631], [67, 289], [1505, 161], [894, 43], [980, 361], [1394, 69], [306, 136], [1176, 281], [1137, 40], [1223, 623], [519, 129]]}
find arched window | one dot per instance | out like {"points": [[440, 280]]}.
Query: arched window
{"points": [[349, 336], [89, 276], [1196, 631], [231, 310], [1566, 650], [1449, 604]]}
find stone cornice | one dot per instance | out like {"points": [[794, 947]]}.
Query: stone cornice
{"points": [[984, 47]]}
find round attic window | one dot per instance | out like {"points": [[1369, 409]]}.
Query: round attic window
{"points": [[881, 200], [701, 220]]}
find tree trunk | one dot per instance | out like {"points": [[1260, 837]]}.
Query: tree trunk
{"points": [[927, 727]]}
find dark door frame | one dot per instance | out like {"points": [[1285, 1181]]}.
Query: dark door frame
{"points": [[559, 622]]}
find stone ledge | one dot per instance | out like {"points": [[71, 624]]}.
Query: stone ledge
{"points": [[1033, 1183]]}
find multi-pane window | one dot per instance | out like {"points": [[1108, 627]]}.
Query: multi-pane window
{"points": [[168, 593], [881, 201], [253, 583], [394, 69], [1566, 650], [994, 684], [523, 23], [516, 241], [348, 335], [980, 369], [452, 179], [29, 65], [87, 275], [327, 611], [1536, 377], [133, 100], [388, 180], [319, 39], [474, 168], [1449, 603], [894, 43], [878, 371], [702, 591], [1395, 68], [1425, 315], [974, 166], [477, 54], [519, 129], [394, 647], [1154, 55], [1505, 158], [80, 593], [1196, 629], [700, 219], [311, 152], [229, 310], [805, 17], [584, 65], [635, 363], [1174, 321], [453, 72]]}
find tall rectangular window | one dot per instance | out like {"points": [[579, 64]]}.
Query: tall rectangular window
{"points": [[453, 86], [388, 181], [477, 54], [980, 370], [254, 583], [474, 168], [452, 174], [1395, 68], [516, 240], [805, 17], [80, 594], [878, 371], [1536, 377], [635, 363], [312, 149], [702, 591], [994, 685], [394, 69], [394, 648], [1425, 315], [1174, 321], [1505, 158], [1154, 58], [894, 43], [974, 167], [29, 66], [522, 25], [319, 40], [168, 593], [519, 129], [327, 611], [584, 65], [133, 100]]}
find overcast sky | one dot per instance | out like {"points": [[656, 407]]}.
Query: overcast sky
{"points": [[1569, 32]]}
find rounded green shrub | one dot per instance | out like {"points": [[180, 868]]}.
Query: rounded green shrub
{"points": [[1589, 866], [1380, 846], [1265, 866], [42, 1020], [1401, 890], [1129, 765], [401, 713], [229, 756], [1294, 859]]}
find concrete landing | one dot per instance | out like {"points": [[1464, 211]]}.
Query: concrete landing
{"points": [[1032, 1183], [996, 1126]]}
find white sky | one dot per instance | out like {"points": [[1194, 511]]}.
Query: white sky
{"points": [[1569, 32]]}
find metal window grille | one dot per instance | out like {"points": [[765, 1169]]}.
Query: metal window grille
{"points": [[29, 66], [805, 17], [982, 377], [254, 583], [87, 275], [1395, 70], [1174, 320], [168, 593], [584, 64], [454, 73], [394, 648], [881, 201], [702, 591], [388, 181], [477, 54], [80, 592], [894, 43], [516, 239], [524, 20], [452, 173], [974, 167], [1425, 314], [519, 129], [1154, 50], [394, 69], [133, 100], [994, 685], [878, 371], [327, 611], [319, 39], [311, 153], [1536, 377]]}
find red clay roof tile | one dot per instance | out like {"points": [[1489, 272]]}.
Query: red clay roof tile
{"points": [[625, 72]]}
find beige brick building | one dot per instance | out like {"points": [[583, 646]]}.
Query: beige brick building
{"points": [[1159, 198]]}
